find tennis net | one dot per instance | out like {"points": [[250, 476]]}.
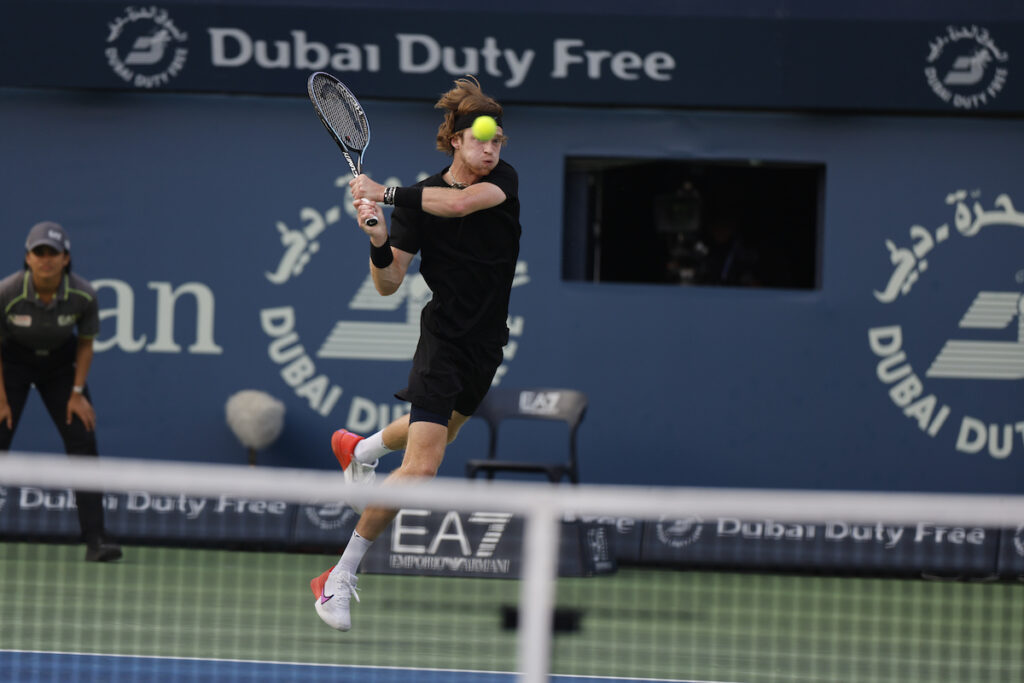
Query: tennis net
{"points": [[480, 582]]}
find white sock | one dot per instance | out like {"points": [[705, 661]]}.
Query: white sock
{"points": [[353, 555], [369, 449]]}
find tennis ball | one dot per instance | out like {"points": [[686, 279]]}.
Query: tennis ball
{"points": [[484, 128]]}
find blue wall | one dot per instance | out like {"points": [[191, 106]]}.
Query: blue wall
{"points": [[688, 386]]}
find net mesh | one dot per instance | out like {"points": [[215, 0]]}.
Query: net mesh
{"points": [[340, 110], [659, 584]]}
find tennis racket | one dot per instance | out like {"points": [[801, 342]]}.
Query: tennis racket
{"points": [[343, 117]]}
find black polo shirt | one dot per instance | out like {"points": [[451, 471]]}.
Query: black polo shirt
{"points": [[30, 324], [467, 262]]}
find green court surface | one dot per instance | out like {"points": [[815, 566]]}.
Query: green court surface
{"points": [[639, 623]]}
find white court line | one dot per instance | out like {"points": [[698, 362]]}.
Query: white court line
{"points": [[217, 660]]}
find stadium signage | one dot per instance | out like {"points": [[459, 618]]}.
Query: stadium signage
{"points": [[968, 354], [828, 544], [234, 47], [421, 53], [481, 544], [524, 55], [148, 515], [965, 67], [487, 544], [167, 296], [886, 536], [145, 48], [33, 498], [448, 543], [447, 546]]}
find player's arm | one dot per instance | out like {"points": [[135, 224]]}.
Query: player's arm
{"points": [[387, 264], [446, 202], [451, 203], [387, 280]]}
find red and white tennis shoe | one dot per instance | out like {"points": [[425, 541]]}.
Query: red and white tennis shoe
{"points": [[333, 590], [343, 443]]}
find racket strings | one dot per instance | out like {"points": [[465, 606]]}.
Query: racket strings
{"points": [[343, 112]]}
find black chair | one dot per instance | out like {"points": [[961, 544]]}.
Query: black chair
{"points": [[500, 404]]}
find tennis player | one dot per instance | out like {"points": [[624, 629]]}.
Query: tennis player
{"points": [[464, 222]]}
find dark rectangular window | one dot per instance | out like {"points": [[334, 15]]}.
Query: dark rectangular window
{"points": [[738, 224]]}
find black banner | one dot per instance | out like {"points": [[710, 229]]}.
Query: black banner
{"points": [[489, 544], [743, 60], [833, 545]]}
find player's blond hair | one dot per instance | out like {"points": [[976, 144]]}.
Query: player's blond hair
{"points": [[465, 98]]}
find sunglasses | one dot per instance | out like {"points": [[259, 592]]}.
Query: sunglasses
{"points": [[45, 251]]}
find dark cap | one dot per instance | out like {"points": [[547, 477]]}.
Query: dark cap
{"points": [[49, 233]]}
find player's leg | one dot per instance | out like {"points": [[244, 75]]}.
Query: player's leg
{"points": [[435, 385], [349, 446], [423, 455], [335, 588], [55, 388]]}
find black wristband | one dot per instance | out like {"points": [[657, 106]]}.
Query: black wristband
{"points": [[411, 197], [382, 256]]}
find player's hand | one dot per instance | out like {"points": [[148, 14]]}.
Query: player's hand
{"points": [[79, 405], [366, 208], [364, 188]]}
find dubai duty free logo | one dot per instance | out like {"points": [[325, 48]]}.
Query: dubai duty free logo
{"points": [[986, 348], [677, 532], [373, 327], [330, 516], [965, 67], [145, 48]]}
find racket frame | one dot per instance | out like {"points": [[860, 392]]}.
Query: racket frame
{"points": [[347, 150]]}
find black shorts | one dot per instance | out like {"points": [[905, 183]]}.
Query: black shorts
{"points": [[449, 375]]}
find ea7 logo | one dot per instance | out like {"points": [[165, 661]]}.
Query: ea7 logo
{"points": [[450, 530], [496, 523], [539, 402], [985, 359]]}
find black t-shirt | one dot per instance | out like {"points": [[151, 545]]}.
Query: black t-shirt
{"points": [[467, 262]]}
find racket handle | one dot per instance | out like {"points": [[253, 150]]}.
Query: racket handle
{"points": [[371, 221]]}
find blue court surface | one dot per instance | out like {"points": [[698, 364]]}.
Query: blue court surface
{"points": [[66, 667]]}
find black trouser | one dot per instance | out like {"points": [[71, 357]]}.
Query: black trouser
{"points": [[53, 375]]}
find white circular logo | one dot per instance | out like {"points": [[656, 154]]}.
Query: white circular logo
{"points": [[145, 48], [329, 516], [679, 533], [965, 67]]}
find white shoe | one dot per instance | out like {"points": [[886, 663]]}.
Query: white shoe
{"points": [[333, 589]]}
